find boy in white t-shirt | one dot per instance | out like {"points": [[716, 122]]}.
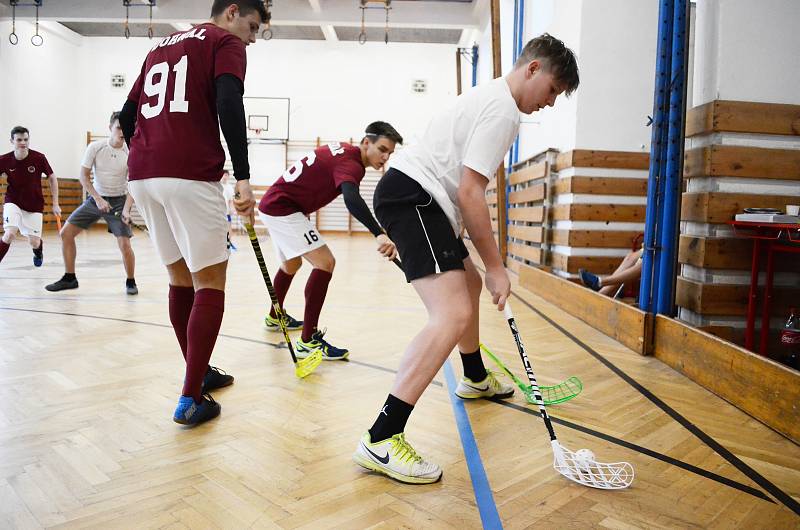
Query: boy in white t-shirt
{"points": [[108, 199], [434, 190]]}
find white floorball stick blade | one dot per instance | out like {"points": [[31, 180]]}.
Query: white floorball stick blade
{"points": [[589, 472]]}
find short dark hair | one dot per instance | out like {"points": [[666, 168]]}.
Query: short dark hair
{"points": [[114, 117], [381, 128], [557, 58], [19, 129], [245, 7]]}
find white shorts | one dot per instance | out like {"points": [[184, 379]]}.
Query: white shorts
{"points": [[28, 223], [185, 219], [292, 235]]}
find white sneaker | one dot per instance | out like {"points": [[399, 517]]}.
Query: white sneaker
{"points": [[396, 458], [489, 387]]}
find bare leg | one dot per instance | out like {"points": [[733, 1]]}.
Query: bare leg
{"points": [[321, 258], [34, 241], [446, 297], [128, 259], [9, 234], [68, 247], [291, 266], [630, 269], [469, 342]]}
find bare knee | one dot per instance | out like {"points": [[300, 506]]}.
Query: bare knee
{"points": [[34, 241], [291, 266], [124, 244], [179, 274], [10, 234]]}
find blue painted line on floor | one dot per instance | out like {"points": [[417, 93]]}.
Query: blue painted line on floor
{"points": [[480, 484]]}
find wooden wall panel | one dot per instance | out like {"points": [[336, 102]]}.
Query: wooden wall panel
{"points": [[743, 116], [599, 212], [530, 194], [720, 299], [718, 207], [528, 252], [728, 253], [595, 264], [531, 214], [533, 172], [528, 233], [601, 186], [766, 390], [740, 161], [618, 320], [604, 159]]}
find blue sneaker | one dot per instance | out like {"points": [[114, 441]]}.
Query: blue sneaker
{"points": [[38, 256], [292, 323], [190, 413], [592, 281], [329, 352]]}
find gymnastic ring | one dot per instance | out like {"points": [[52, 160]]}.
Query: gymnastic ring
{"points": [[37, 38], [267, 34], [13, 38], [127, 32], [362, 37], [150, 33]]}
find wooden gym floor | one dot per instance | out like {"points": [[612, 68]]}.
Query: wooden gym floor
{"points": [[89, 379]]}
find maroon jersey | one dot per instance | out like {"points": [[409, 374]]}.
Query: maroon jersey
{"points": [[25, 179], [177, 129], [314, 181]]}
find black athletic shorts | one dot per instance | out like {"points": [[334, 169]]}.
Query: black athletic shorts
{"points": [[418, 226]]}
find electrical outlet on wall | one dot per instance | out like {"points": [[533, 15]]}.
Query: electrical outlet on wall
{"points": [[117, 80]]}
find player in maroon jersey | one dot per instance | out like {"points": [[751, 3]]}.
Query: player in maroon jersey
{"points": [[191, 85], [314, 181], [24, 202]]}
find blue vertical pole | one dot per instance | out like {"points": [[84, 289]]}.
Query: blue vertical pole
{"points": [[670, 214], [658, 137], [474, 64]]}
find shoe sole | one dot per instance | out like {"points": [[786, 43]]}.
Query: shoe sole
{"points": [[484, 396], [372, 466]]}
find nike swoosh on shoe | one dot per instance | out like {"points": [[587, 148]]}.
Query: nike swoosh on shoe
{"points": [[476, 388], [384, 460]]}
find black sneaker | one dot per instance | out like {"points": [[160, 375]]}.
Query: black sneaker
{"points": [[215, 378], [38, 256], [190, 413], [62, 284], [130, 287]]}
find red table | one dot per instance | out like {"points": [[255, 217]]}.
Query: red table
{"points": [[776, 238]]}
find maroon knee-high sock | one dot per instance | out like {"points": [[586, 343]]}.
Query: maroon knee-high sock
{"points": [[204, 324], [3, 249], [316, 288], [281, 285], [180, 308]]}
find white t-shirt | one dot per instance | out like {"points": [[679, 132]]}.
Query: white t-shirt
{"points": [[476, 131], [110, 167]]}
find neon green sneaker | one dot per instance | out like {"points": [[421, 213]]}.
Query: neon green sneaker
{"points": [[396, 458], [292, 323], [489, 387]]}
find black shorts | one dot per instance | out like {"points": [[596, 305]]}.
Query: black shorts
{"points": [[416, 223]]}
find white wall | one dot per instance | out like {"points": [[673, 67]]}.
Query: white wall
{"points": [[40, 90], [617, 63], [336, 88], [615, 44], [747, 51]]}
